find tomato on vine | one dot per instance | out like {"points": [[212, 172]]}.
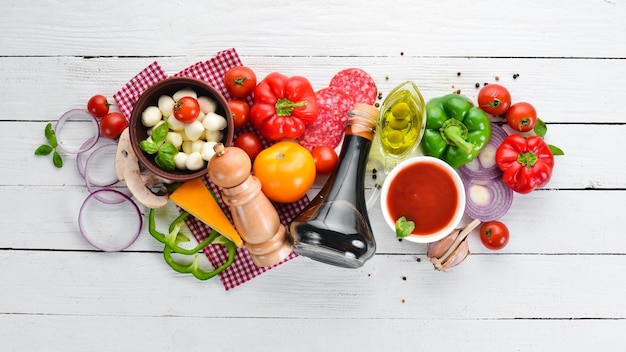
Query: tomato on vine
{"points": [[240, 81], [494, 99], [494, 235]]}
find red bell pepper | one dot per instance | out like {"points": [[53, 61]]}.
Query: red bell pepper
{"points": [[283, 106], [526, 163]]}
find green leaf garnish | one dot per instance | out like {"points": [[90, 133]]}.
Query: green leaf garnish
{"points": [[148, 147], [556, 150], [44, 149], [165, 161], [404, 227], [540, 128], [160, 132], [168, 148], [51, 148]]}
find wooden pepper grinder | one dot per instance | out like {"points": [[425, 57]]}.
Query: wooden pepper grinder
{"points": [[254, 215]]}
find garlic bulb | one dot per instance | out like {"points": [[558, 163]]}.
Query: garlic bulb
{"points": [[452, 249]]}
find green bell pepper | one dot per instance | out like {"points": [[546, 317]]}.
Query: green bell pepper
{"points": [[456, 130], [175, 237]]}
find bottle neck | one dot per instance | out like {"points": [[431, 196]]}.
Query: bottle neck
{"points": [[362, 121]]}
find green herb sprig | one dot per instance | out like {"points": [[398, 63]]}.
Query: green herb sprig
{"points": [[165, 151], [51, 147], [540, 130]]}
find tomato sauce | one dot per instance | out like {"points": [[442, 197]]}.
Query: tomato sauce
{"points": [[425, 194]]}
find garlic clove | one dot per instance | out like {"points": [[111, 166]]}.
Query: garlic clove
{"points": [[439, 248], [457, 257]]}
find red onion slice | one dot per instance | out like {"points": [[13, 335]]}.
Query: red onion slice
{"points": [[105, 225], [486, 200], [81, 158], [101, 161], [83, 120], [484, 165]]}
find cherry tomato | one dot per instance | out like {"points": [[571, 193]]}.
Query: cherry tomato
{"points": [[494, 235], [98, 105], [240, 81], [325, 159], [521, 117], [250, 143], [240, 111], [286, 171], [494, 99], [186, 109], [113, 124]]}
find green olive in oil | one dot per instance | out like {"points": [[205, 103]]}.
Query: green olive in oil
{"points": [[401, 122]]}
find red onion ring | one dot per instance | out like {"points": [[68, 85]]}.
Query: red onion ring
{"points": [[484, 165], [496, 198], [89, 180], [80, 115], [82, 156], [96, 225]]}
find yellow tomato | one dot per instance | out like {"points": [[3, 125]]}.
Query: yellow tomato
{"points": [[286, 171]]}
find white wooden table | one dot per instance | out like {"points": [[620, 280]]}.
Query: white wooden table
{"points": [[558, 285]]}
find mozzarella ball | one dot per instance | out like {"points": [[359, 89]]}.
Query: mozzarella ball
{"points": [[166, 105], [207, 150], [185, 92], [194, 161], [213, 136], [175, 138], [207, 104], [194, 130], [214, 122], [151, 116], [180, 159], [175, 125]]}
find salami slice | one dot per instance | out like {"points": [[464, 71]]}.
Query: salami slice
{"points": [[357, 84], [336, 100], [327, 130]]}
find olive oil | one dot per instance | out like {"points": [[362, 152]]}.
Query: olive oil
{"points": [[401, 123]]}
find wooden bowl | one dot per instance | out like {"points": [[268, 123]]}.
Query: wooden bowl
{"points": [[138, 132]]}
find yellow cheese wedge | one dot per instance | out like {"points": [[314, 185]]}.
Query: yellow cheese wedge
{"points": [[194, 197]]}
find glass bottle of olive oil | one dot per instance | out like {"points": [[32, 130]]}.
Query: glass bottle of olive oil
{"points": [[334, 228]]}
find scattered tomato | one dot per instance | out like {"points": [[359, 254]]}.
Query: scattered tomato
{"points": [[325, 159], [494, 99], [113, 124], [186, 109], [286, 171], [521, 117], [240, 81], [240, 110], [98, 105], [494, 235], [250, 143]]}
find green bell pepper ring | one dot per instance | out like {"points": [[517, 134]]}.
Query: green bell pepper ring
{"points": [[174, 237], [456, 130], [194, 267]]}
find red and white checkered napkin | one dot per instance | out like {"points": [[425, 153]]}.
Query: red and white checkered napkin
{"points": [[211, 71]]}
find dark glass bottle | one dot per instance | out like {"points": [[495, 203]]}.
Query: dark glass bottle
{"points": [[334, 228]]}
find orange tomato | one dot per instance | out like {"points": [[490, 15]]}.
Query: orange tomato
{"points": [[286, 171]]}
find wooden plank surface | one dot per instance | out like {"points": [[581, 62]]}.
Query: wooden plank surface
{"points": [[558, 285]]}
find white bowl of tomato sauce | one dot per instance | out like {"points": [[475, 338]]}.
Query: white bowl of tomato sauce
{"points": [[426, 191]]}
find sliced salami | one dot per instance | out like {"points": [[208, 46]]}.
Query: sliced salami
{"points": [[357, 84], [336, 100], [327, 130]]}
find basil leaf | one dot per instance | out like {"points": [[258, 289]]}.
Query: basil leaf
{"points": [[540, 128], [148, 147], [50, 135], [165, 161], [556, 150], [56, 160], [404, 227], [160, 132], [168, 148], [43, 149]]}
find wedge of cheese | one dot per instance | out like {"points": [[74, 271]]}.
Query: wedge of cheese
{"points": [[194, 197]]}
